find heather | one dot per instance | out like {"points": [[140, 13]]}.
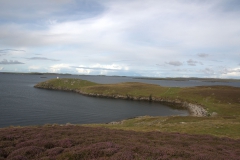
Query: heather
{"points": [[78, 142]]}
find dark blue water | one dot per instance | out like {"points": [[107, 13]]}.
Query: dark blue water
{"points": [[22, 104]]}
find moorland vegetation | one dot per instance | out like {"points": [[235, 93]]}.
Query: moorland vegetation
{"points": [[212, 135]]}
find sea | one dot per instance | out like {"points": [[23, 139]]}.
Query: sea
{"points": [[22, 105]]}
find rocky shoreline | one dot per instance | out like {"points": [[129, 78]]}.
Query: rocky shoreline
{"points": [[194, 109]]}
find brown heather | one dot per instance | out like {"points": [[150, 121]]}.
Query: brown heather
{"points": [[78, 142]]}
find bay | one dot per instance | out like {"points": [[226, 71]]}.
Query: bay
{"points": [[21, 104]]}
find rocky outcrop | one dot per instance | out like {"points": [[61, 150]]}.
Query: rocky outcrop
{"points": [[195, 110]]}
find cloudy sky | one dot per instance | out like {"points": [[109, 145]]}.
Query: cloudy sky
{"points": [[155, 38]]}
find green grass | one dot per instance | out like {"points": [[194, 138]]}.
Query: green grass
{"points": [[223, 100], [216, 126], [65, 83]]}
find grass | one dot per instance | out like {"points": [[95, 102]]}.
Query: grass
{"points": [[224, 100], [221, 100], [65, 84], [215, 126]]}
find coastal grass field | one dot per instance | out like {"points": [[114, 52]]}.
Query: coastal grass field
{"points": [[221, 102], [215, 126], [213, 136]]}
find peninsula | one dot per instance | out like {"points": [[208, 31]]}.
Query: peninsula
{"points": [[214, 110], [200, 101]]}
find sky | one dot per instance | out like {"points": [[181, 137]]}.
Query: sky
{"points": [[152, 38]]}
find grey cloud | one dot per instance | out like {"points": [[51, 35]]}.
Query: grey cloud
{"points": [[42, 58], [160, 65], [203, 55], [8, 50], [230, 6], [62, 10], [174, 63], [193, 63], [227, 71], [94, 68], [10, 62], [216, 60], [209, 71]]}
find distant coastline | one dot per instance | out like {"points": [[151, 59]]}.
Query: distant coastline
{"points": [[136, 77], [192, 79]]}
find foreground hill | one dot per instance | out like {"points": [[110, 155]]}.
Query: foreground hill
{"points": [[77, 142]]}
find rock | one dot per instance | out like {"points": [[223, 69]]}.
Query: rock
{"points": [[214, 114], [195, 110], [115, 122]]}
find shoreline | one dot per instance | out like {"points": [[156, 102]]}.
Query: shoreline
{"points": [[194, 109]]}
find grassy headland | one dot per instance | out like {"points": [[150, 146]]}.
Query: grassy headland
{"points": [[221, 103], [220, 100]]}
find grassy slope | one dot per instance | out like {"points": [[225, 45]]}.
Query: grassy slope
{"points": [[223, 100], [216, 126]]}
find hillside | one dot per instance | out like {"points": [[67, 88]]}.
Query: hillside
{"points": [[71, 142]]}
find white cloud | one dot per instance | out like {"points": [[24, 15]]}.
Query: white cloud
{"points": [[1, 68], [83, 71], [96, 34], [59, 68], [233, 72], [33, 68], [101, 69]]}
